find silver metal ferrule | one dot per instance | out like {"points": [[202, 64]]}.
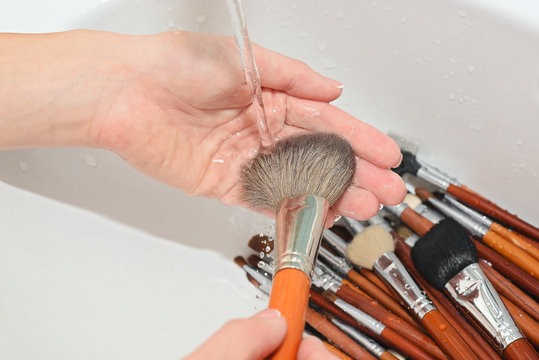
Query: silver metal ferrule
{"points": [[473, 291], [369, 344], [336, 242], [411, 240], [475, 228], [338, 263], [325, 280], [468, 211], [397, 209], [428, 213], [263, 281], [393, 272], [434, 170], [424, 174], [380, 221], [299, 226], [368, 321], [353, 225]]}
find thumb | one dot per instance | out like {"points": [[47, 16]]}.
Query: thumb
{"points": [[253, 338]]}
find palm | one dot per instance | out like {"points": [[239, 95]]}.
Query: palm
{"points": [[194, 129]]}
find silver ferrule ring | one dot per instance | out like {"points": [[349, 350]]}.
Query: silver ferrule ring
{"points": [[362, 318], [397, 209], [471, 289], [470, 224], [336, 262], [324, 280], [468, 211], [395, 274], [432, 178], [372, 346], [299, 226]]}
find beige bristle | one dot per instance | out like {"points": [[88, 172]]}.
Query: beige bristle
{"points": [[369, 245], [319, 164], [412, 200]]}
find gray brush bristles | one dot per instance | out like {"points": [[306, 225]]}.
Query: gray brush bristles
{"points": [[319, 164]]}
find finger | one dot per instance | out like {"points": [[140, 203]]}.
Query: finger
{"points": [[368, 142], [311, 348], [357, 203], [385, 184], [253, 338], [294, 77]]}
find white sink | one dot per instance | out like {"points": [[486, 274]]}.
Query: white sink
{"points": [[99, 261]]}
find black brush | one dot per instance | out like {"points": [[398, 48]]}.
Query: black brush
{"points": [[447, 258]]}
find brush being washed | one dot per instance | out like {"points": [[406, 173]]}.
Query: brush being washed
{"points": [[300, 178], [448, 259]]}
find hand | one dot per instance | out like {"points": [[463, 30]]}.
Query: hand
{"points": [[175, 106], [255, 338]]}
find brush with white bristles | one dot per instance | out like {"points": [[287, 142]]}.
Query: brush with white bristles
{"points": [[300, 178], [374, 249]]}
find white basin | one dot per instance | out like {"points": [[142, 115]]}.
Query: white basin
{"points": [[99, 261]]}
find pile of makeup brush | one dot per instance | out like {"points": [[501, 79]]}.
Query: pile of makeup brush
{"points": [[436, 277]]}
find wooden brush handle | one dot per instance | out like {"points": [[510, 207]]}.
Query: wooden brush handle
{"points": [[339, 338], [369, 275], [386, 355], [384, 299], [290, 295], [404, 346], [446, 336], [527, 325], [494, 211], [404, 329], [510, 291], [512, 252], [416, 222], [520, 350], [508, 269], [338, 353], [530, 246], [470, 335]]}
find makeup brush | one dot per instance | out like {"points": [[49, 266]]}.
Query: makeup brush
{"points": [[529, 245], [414, 202], [501, 245], [410, 165], [447, 258], [374, 249], [300, 178], [360, 279]]}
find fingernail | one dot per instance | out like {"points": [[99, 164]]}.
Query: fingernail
{"points": [[340, 86], [399, 163], [268, 313]]}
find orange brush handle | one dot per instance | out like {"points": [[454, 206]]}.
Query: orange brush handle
{"points": [[513, 253], [527, 325], [416, 222], [517, 239], [338, 353], [494, 211], [520, 350], [446, 336], [290, 295]]}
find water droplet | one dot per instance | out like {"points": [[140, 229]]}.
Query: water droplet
{"points": [[471, 68], [260, 264], [519, 142], [463, 14], [171, 23], [403, 19], [340, 14], [257, 296], [261, 254], [443, 327], [200, 18], [23, 166], [322, 47], [268, 249], [90, 160], [452, 97]]}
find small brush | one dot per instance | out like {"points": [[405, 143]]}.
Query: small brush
{"points": [[374, 249], [501, 245], [447, 258], [300, 178], [419, 345], [360, 278]]}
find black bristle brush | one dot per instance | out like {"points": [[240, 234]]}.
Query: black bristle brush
{"points": [[448, 259]]}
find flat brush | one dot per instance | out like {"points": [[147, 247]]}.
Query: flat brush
{"points": [[419, 345], [501, 245], [300, 178], [411, 166], [360, 279], [447, 258], [374, 249], [531, 246], [473, 338]]}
